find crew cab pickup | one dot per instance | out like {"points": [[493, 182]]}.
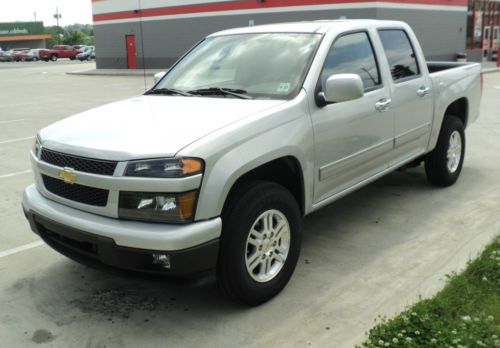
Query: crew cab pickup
{"points": [[58, 51], [254, 128]]}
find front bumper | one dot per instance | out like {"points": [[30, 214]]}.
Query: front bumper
{"points": [[94, 239]]}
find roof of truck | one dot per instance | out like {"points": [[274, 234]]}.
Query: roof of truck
{"points": [[318, 26]]}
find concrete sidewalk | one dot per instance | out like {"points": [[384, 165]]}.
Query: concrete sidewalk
{"points": [[489, 67]]}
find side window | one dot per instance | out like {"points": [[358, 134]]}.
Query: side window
{"points": [[400, 54], [352, 54]]}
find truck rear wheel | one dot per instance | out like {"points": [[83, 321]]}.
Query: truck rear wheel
{"points": [[444, 164], [260, 245]]}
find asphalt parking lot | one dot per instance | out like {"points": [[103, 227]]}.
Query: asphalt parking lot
{"points": [[370, 253]]}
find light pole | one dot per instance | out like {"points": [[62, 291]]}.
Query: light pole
{"points": [[57, 15]]}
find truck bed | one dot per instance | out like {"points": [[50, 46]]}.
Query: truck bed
{"points": [[440, 66], [453, 81]]}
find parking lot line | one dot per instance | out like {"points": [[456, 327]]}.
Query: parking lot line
{"points": [[18, 120], [21, 248], [14, 174], [14, 140]]}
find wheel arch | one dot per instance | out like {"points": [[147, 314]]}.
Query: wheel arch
{"points": [[285, 171], [460, 109]]}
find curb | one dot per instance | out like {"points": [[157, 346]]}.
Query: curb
{"points": [[490, 70]]}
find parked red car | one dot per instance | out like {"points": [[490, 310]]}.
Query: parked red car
{"points": [[19, 55], [58, 51]]}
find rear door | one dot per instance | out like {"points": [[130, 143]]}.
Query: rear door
{"points": [[412, 102]]}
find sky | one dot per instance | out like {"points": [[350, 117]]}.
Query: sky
{"points": [[72, 11]]}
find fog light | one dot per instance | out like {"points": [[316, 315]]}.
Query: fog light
{"points": [[162, 260]]}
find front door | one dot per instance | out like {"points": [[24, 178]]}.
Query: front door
{"points": [[131, 52], [412, 101], [353, 139]]}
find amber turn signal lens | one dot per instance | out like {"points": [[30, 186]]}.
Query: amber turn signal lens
{"points": [[186, 204], [191, 166]]}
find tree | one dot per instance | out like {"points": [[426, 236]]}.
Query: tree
{"points": [[74, 37], [53, 31]]}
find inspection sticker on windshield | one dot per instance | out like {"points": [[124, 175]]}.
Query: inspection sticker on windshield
{"points": [[283, 87]]}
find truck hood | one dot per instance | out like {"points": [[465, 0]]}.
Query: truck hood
{"points": [[146, 126]]}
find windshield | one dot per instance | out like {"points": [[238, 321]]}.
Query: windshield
{"points": [[263, 66]]}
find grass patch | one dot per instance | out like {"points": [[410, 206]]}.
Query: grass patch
{"points": [[466, 313]]}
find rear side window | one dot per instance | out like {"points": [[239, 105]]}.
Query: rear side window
{"points": [[352, 54], [400, 54]]}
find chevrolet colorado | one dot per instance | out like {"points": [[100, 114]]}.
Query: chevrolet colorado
{"points": [[251, 130]]}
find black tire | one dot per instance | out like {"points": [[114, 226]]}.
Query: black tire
{"points": [[436, 162], [53, 58], [244, 207]]}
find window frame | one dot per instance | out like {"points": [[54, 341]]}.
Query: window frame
{"points": [[417, 60], [319, 87]]}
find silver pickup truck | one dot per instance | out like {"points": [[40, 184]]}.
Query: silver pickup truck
{"points": [[252, 129]]}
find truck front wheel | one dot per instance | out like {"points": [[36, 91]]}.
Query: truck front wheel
{"points": [[53, 57], [260, 245], [444, 164]]}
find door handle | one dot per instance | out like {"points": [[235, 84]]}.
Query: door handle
{"points": [[383, 104], [423, 91]]}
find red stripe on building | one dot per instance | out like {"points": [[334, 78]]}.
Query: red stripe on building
{"points": [[252, 4]]}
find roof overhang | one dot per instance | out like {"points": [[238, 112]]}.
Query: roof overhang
{"points": [[24, 37]]}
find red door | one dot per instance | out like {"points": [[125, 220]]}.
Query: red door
{"points": [[131, 53]]}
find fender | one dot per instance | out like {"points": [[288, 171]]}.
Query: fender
{"points": [[236, 150]]}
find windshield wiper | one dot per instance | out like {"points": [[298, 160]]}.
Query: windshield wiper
{"points": [[168, 91], [238, 93]]}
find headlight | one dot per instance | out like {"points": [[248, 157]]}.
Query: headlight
{"points": [[158, 207], [165, 168]]}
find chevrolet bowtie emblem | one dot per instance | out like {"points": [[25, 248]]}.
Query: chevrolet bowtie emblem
{"points": [[68, 175]]}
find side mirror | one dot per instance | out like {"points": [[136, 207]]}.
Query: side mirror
{"points": [[343, 87], [159, 75]]}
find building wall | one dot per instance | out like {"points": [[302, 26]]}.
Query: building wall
{"points": [[166, 40], [22, 35], [440, 28]]}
